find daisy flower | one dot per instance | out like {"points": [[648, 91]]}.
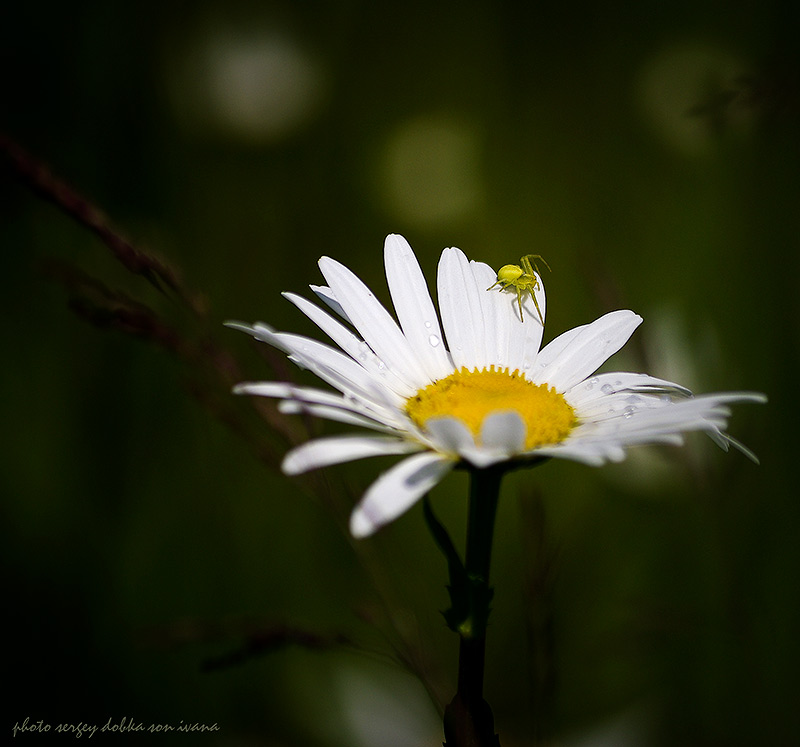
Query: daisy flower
{"points": [[476, 388]]}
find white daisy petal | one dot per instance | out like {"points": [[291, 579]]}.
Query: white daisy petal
{"points": [[645, 422], [395, 491], [503, 432], [374, 323], [326, 295], [414, 308], [327, 405], [532, 329], [329, 364], [450, 435], [357, 349], [498, 324], [618, 405], [554, 348], [323, 452], [337, 414], [593, 454], [280, 390], [461, 311], [723, 440], [605, 384], [334, 367], [515, 341], [588, 350]]}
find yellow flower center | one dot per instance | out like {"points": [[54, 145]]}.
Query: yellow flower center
{"points": [[472, 395]]}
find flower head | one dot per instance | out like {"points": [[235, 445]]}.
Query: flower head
{"points": [[481, 393]]}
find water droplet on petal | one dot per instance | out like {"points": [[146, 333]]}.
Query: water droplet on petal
{"points": [[428, 325], [433, 341], [628, 412], [606, 389]]}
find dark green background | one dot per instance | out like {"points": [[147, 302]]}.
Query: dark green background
{"points": [[648, 150]]}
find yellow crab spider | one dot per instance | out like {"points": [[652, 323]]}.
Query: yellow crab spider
{"points": [[522, 279]]}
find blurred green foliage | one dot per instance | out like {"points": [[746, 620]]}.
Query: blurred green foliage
{"points": [[649, 151]]}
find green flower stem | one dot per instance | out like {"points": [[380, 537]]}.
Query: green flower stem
{"points": [[468, 719]]}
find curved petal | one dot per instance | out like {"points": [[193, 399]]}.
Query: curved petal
{"points": [[498, 319], [357, 349], [555, 347], [327, 296], [504, 432], [282, 390], [414, 308], [332, 366], [645, 423], [374, 323], [395, 491], [588, 350], [611, 383], [322, 452], [449, 435], [460, 307], [510, 342], [339, 415], [528, 337], [618, 405], [328, 405], [595, 454]]}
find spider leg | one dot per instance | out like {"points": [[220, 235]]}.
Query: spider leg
{"points": [[529, 267], [536, 304], [519, 301]]}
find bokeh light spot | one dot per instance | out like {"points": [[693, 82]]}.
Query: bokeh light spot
{"points": [[430, 170]]}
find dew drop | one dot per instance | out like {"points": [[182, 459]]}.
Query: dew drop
{"points": [[628, 412], [364, 352], [606, 389], [433, 341], [428, 325]]}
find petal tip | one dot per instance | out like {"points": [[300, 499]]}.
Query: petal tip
{"points": [[292, 466], [360, 524]]}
